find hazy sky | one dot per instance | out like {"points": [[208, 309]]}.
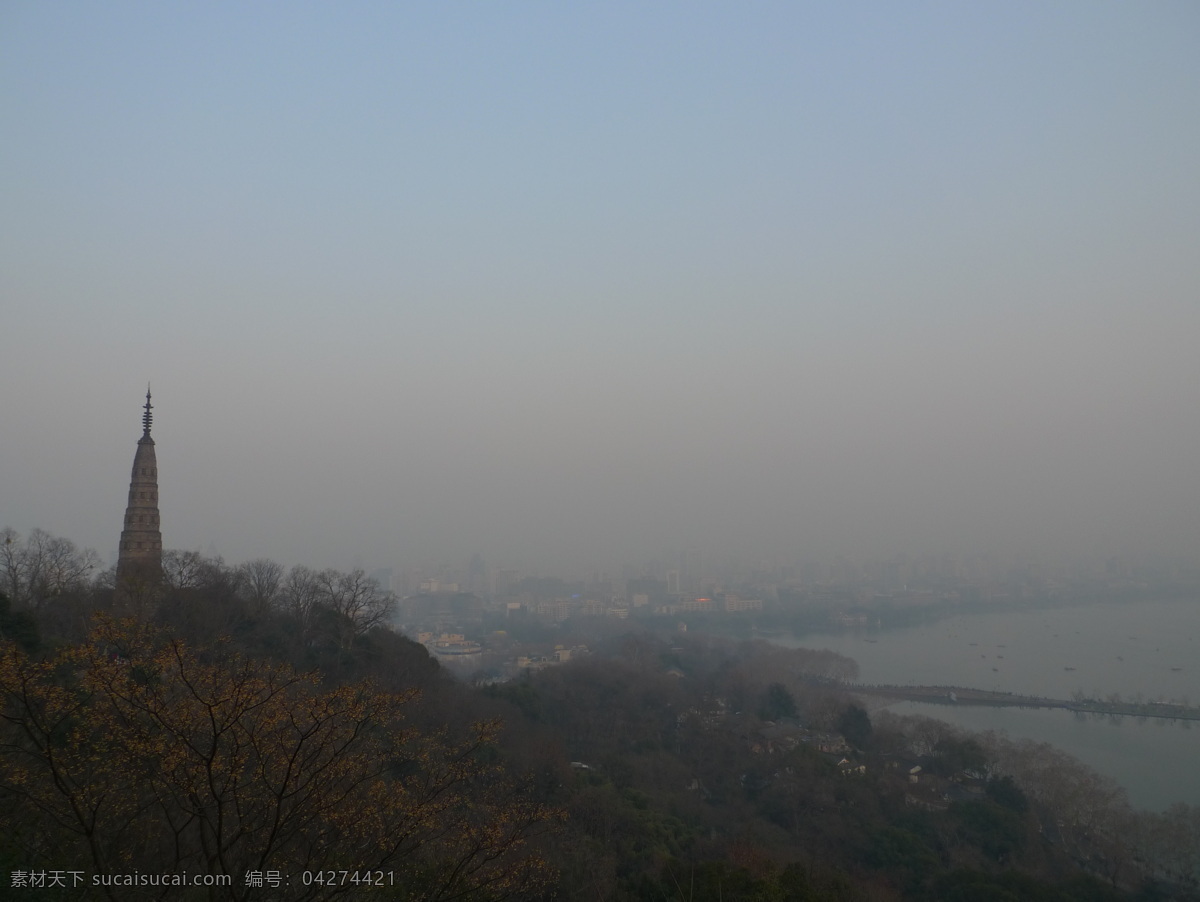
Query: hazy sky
{"points": [[565, 282]]}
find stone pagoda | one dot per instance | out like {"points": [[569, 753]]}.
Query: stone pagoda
{"points": [[139, 560]]}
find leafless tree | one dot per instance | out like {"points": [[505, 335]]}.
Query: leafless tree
{"points": [[42, 567], [357, 598], [261, 581], [1169, 842], [1092, 810], [183, 569], [299, 594]]}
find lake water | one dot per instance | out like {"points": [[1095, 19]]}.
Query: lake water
{"points": [[1148, 650]]}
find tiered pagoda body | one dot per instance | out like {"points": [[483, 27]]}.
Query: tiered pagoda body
{"points": [[139, 560]]}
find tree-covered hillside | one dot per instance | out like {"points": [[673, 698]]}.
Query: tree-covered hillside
{"points": [[268, 726]]}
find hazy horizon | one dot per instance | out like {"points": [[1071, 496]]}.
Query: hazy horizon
{"points": [[567, 286]]}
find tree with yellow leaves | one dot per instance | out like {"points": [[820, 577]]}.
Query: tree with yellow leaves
{"points": [[132, 752]]}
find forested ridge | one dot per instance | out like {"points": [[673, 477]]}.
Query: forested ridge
{"points": [[257, 721]]}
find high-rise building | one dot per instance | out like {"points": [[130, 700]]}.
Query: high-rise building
{"points": [[139, 559], [673, 583]]}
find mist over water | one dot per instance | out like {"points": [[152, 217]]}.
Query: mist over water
{"points": [[1147, 650]]}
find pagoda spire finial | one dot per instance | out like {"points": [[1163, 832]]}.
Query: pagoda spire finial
{"points": [[147, 417]]}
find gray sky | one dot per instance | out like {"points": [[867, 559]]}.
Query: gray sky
{"points": [[572, 283]]}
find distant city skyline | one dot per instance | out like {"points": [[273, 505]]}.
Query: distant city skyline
{"points": [[572, 287]]}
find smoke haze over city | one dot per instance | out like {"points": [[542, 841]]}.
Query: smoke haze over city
{"points": [[569, 286]]}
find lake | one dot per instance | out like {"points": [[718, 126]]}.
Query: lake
{"points": [[1141, 650]]}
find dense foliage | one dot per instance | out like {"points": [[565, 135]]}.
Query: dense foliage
{"points": [[134, 753]]}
